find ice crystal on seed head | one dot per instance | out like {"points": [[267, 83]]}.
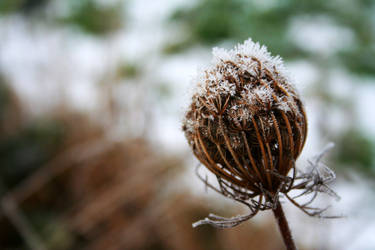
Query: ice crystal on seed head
{"points": [[247, 50], [189, 125], [284, 105], [263, 93], [228, 65]]}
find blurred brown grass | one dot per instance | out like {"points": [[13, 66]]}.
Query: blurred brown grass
{"points": [[97, 193]]}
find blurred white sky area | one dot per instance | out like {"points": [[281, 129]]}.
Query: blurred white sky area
{"points": [[47, 66]]}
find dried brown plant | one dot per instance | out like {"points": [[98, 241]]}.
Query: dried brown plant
{"points": [[247, 125]]}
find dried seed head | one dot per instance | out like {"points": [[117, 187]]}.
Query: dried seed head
{"points": [[246, 120]]}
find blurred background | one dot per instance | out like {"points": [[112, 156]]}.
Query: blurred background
{"points": [[92, 93]]}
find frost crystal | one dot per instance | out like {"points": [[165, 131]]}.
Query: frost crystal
{"points": [[263, 93], [189, 125]]}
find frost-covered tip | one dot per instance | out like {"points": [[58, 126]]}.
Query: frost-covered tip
{"points": [[246, 117]]}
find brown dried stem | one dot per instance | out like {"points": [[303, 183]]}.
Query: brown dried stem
{"points": [[284, 227]]}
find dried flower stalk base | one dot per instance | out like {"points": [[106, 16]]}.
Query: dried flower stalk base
{"points": [[247, 125]]}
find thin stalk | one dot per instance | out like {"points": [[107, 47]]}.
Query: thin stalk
{"points": [[284, 227]]}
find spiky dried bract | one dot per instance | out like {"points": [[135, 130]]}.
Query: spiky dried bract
{"points": [[246, 122]]}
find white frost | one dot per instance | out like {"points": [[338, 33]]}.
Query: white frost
{"points": [[263, 93], [190, 125], [211, 80], [246, 50], [249, 59]]}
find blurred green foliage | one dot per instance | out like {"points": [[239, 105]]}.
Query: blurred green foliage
{"points": [[128, 70], [174, 47], [269, 22], [354, 149], [214, 20], [94, 18], [89, 16], [23, 6]]}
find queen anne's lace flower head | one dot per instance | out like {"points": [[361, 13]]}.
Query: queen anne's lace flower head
{"points": [[246, 119], [247, 125]]}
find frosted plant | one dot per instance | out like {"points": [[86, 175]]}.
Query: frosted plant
{"points": [[247, 125]]}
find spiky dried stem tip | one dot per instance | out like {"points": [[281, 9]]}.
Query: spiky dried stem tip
{"points": [[246, 121]]}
